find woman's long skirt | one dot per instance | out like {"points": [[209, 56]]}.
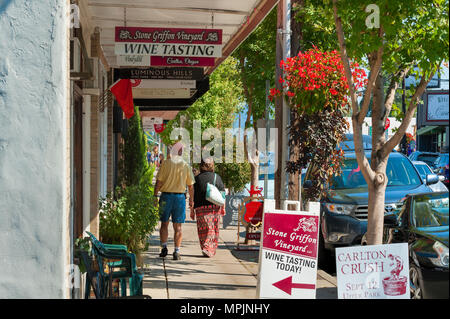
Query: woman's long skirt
{"points": [[208, 218]]}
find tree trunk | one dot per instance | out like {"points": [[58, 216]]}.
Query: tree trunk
{"points": [[377, 187], [375, 218]]}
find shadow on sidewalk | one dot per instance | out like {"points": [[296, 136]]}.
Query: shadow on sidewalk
{"points": [[247, 256], [326, 293]]}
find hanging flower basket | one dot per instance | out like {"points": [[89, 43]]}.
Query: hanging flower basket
{"points": [[314, 80], [315, 85]]}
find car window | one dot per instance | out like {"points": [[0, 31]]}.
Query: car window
{"points": [[403, 215], [429, 159], [442, 160], [431, 211], [423, 170], [399, 170]]}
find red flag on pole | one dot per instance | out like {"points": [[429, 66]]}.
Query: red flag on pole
{"points": [[124, 96]]}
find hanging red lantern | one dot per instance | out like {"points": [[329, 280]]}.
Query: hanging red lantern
{"points": [[159, 128]]}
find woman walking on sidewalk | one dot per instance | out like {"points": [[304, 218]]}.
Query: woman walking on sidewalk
{"points": [[207, 214]]}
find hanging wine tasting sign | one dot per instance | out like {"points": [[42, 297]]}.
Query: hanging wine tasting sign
{"points": [[174, 42]]}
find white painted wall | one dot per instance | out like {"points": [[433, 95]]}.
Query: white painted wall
{"points": [[34, 148]]}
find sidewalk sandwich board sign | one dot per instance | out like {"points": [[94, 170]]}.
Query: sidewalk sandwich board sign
{"points": [[373, 272], [233, 203], [288, 254]]}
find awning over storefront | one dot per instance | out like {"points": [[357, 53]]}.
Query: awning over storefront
{"points": [[235, 19], [427, 130]]}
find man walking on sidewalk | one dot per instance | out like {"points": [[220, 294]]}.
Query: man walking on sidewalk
{"points": [[173, 177]]}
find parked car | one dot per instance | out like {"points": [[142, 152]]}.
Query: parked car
{"points": [[442, 167], [441, 161], [427, 157], [348, 145], [425, 170], [422, 222], [344, 209]]}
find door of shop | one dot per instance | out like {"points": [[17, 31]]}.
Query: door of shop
{"points": [[78, 163]]}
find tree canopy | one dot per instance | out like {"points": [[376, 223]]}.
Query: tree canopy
{"points": [[217, 108], [256, 63]]}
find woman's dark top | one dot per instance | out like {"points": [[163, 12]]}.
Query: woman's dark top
{"points": [[200, 187]]}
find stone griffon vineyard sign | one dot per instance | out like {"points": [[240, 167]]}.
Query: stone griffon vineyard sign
{"points": [[169, 46], [288, 255]]}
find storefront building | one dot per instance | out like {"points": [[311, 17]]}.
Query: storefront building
{"points": [[60, 128], [432, 114], [432, 120]]}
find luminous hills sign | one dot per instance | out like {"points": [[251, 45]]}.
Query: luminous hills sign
{"points": [[163, 73]]}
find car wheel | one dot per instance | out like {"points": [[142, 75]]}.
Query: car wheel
{"points": [[414, 283], [324, 258], [364, 240]]}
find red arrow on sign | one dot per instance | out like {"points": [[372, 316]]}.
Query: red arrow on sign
{"points": [[286, 285]]}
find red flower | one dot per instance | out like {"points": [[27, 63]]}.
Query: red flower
{"points": [[318, 74]]}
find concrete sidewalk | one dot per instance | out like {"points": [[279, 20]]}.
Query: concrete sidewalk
{"points": [[230, 274]]}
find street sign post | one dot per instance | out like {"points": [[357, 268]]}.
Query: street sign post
{"points": [[288, 254]]}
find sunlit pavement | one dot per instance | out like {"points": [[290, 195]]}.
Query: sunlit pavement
{"points": [[230, 274]]}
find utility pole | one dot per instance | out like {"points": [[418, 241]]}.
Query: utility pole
{"points": [[294, 153], [283, 47], [266, 175], [403, 141]]}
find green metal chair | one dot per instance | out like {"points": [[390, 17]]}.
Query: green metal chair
{"points": [[124, 261]]}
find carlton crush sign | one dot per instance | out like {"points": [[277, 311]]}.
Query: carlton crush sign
{"points": [[373, 272]]}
